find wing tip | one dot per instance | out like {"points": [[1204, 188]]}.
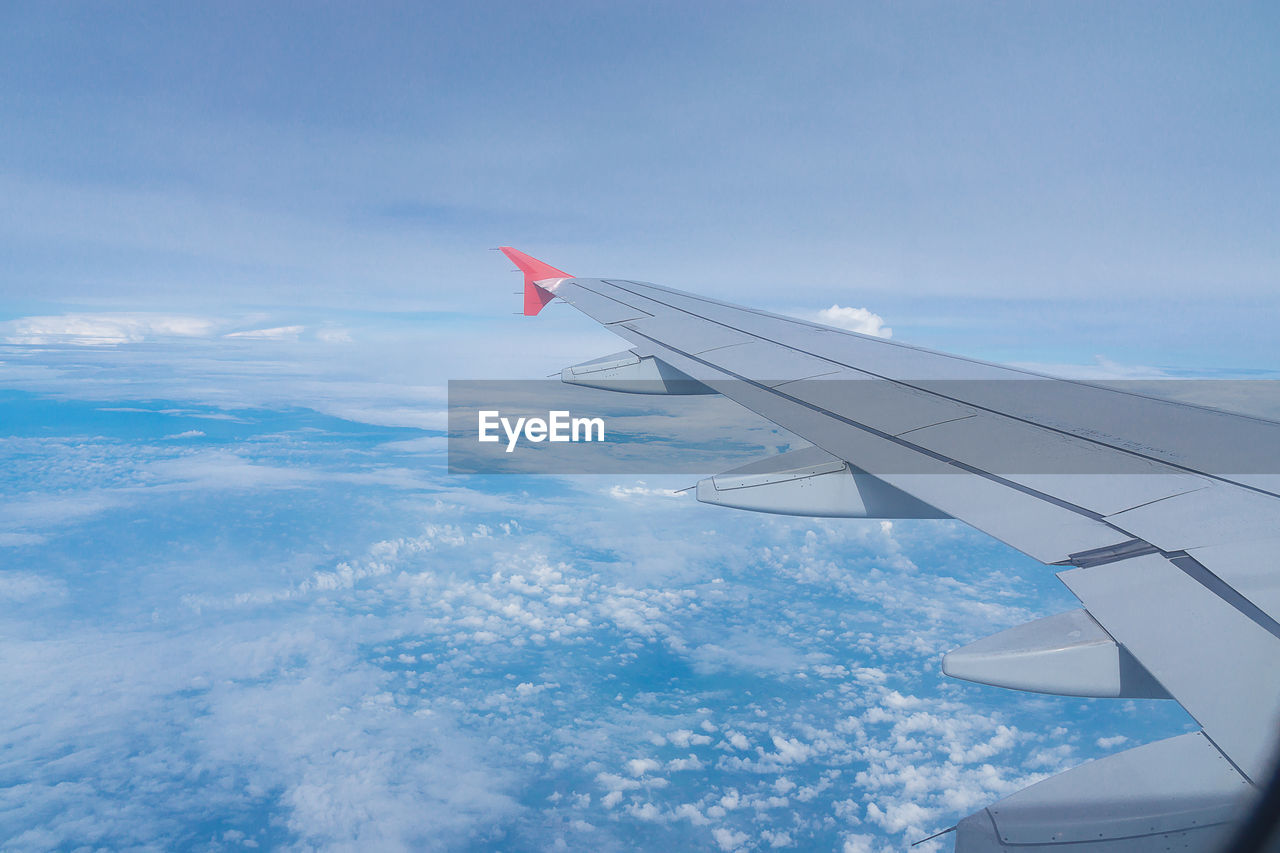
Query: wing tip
{"points": [[535, 297]]}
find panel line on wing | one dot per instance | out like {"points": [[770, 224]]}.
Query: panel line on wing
{"points": [[924, 451], [1163, 498], [610, 303], [796, 321], [1199, 645], [1223, 590], [939, 423], [997, 412], [1216, 585]]}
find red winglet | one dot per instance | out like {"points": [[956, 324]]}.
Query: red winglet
{"points": [[534, 270]]}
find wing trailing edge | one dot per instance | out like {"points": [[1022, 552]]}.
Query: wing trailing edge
{"points": [[1174, 794]]}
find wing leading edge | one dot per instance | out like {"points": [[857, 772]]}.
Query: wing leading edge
{"points": [[1169, 547]]}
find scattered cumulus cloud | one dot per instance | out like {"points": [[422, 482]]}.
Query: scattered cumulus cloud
{"points": [[383, 658], [859, 320], [641, 766], [858, 843], [640, 490], [727, 839]]}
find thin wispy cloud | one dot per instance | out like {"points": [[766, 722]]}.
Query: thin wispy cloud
{"points": [[108, 329]]}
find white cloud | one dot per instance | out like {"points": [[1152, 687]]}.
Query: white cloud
{"points": [[14, 540], [858, 843], [227, 470], [683, 737], [25, 587], [692, 762], [645, 811], [727, 839], [690, 812], [108, 329], [275, 333], [616, 786], [49, 510], [640, 490], [527, 689], [900, 817], [777, 839], [1050, 757], [490, 598], [304, 729], [333, 335], [746, 651], [1003, 738], [858, 320], [641, 766], [791, 750]]}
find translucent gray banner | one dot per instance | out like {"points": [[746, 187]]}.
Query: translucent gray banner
{"points": [[1223, 428]]}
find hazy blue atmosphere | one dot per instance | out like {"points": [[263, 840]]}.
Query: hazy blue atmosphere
{"points": [[243, 250]]}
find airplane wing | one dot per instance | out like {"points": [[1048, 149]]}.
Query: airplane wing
{"points": [[1162, 518]]}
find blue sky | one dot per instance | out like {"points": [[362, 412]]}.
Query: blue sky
{"points": [[941, 164], [244, 248]]}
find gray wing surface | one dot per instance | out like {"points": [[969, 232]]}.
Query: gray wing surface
{"points": [[1163, 517]]}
